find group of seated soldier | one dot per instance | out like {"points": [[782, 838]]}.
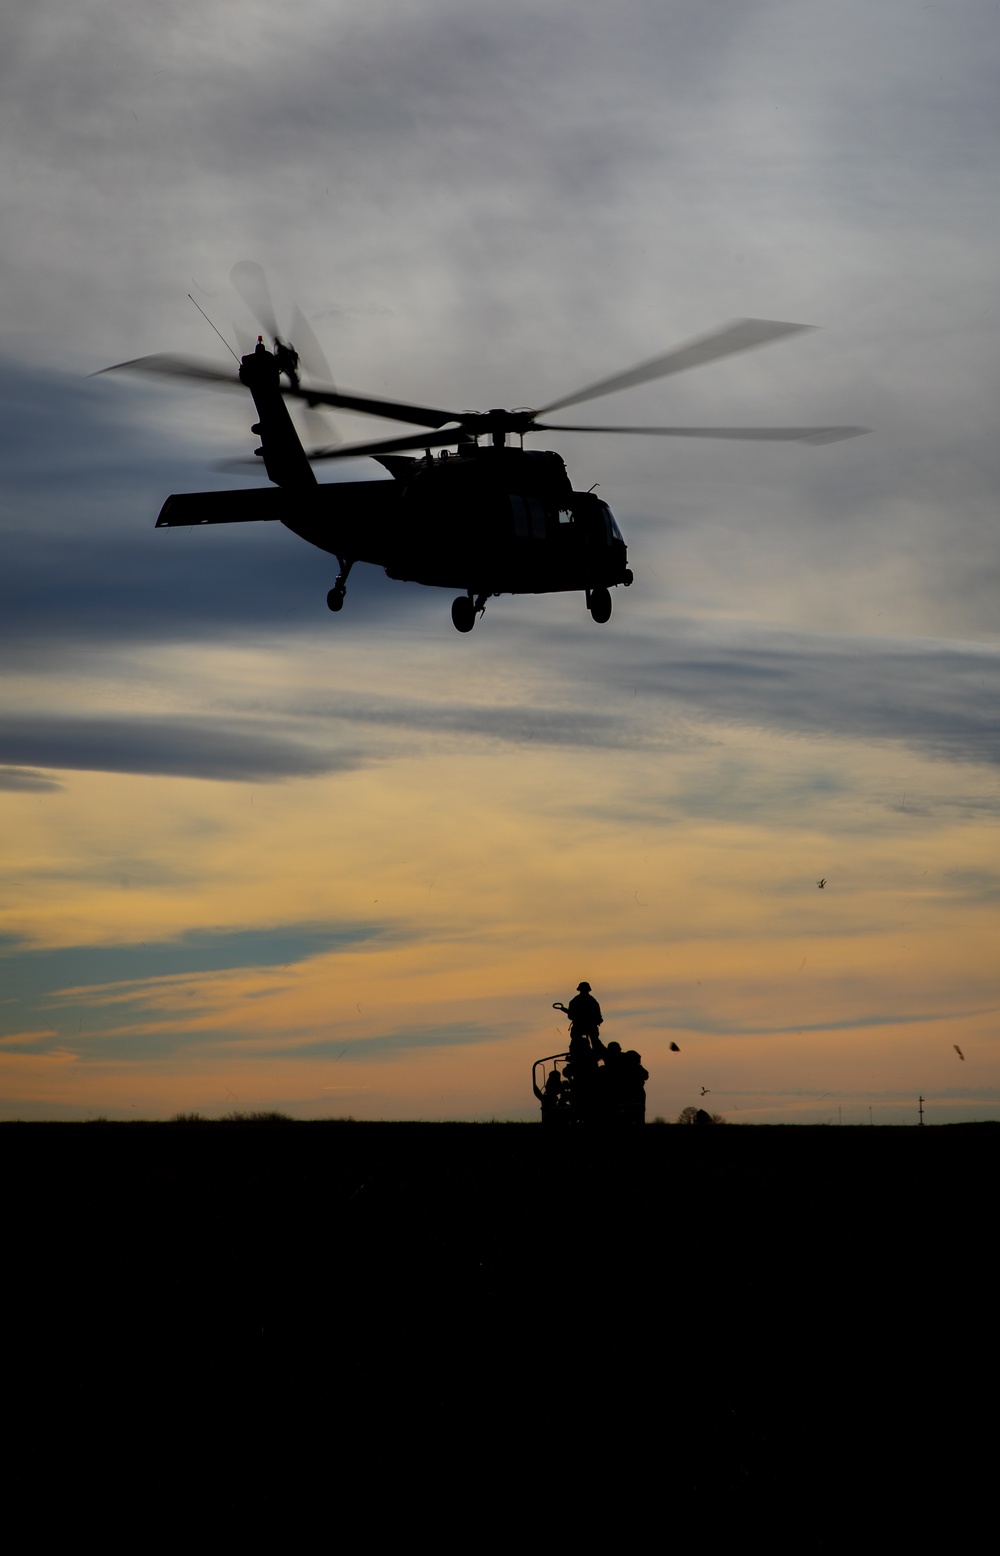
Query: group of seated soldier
{"points": [[598, 1084]]}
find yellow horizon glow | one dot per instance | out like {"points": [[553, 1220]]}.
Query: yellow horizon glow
{"points": [[498, 877]]}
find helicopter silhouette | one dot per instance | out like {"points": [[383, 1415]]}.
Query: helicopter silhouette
{"points": [[487, 518]]}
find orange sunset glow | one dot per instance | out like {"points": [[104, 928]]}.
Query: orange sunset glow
{"points": [[464, 883]]}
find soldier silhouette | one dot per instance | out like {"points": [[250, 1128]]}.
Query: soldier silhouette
{"points": [[585, 1053], [584, 1013], [553, 1098], [632, 1088]]}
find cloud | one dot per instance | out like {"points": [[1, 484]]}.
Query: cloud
{"points": [[387, 1045], [26, 780], [939, 697], [681, 1022], [169, 745], [73, 979], [678, 682], [974, 886], [515, 723], [27, 1040]]}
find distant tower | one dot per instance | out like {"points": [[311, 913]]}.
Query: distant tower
{"points": [[921, 1109]]}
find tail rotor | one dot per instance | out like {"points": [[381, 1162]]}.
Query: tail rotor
{"points": [[250, 281]]}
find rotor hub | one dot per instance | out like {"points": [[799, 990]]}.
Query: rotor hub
{"points": [[496, 423]]}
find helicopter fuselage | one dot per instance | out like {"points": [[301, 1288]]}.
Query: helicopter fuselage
{"points": [[489, 520], [486, 519], [493, 521]]}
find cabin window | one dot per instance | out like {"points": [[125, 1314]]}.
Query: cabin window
{"points": [[529, 516], [565, 515], [611, 529]]}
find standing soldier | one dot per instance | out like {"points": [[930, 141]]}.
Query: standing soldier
{"points": [[585, 1051], [632, 1084], [584, 1013]]}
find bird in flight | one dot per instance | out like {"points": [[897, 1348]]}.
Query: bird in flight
{"points": [[705, 1090], [821, 883], [674, 1048], [958, 1050]]}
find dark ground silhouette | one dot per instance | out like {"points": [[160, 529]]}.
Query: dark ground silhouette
{"points": [[745, 1323]]}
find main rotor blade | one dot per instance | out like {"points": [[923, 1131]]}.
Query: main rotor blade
{"points": [[392, 445], [747, 434], [251, 283], [309, 349], [165, 366], [742, 335], [318, 430], [245, 341], [392, 410]]}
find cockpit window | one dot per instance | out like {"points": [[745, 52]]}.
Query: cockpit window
{"points": [[611, 528]]}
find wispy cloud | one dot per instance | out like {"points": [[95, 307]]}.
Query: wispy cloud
{"points": [[934, 695], [133, 969], [177, 746], [27, 780], [386, 1045]]}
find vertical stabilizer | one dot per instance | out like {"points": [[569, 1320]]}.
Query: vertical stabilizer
{"points": [[283, 455]]}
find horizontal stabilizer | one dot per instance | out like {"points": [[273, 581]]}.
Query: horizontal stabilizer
{"points": [[242, 507]]}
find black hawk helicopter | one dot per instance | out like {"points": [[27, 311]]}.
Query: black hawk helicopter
{"points": [[486, 518]]}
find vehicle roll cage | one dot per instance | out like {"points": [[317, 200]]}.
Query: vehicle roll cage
{"points": [[553, 1059]]}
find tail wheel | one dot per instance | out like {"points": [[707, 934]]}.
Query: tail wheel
{"points": [[599, 603], [335, 599], [463, 613]]}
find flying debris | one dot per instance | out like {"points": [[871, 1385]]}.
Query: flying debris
{"points": [[485, 517], [958, 1050], [674, 1048]]}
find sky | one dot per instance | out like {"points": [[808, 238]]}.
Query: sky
{"points": [[258, 856]]}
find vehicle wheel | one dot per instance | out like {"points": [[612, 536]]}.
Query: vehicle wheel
{"points": [[335, 599], [463, 613], [600, 605]]}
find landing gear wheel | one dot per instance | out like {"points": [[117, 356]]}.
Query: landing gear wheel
{"points": [[463, 613], [600, 605], [335, 599]]}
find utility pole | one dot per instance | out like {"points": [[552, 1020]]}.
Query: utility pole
{"points": [[921, 1102]]}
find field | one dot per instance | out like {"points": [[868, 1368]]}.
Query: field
{"points": [[740, 1319]]}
